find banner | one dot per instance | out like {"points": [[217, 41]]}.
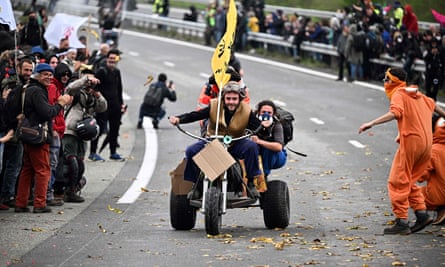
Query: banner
{"points": [[7, 15], [221, 56], [64, 26]]}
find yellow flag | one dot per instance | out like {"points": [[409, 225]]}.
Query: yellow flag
{"points": [[221, 56]]}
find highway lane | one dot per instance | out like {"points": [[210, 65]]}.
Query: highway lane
{"points": [[338, 193]]}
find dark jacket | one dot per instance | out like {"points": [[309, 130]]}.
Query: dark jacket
{"points": [[37, 108], [111, 88], [166, 93]]}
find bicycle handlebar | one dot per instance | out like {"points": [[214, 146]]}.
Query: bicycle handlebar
{"points": [[226, 139]]}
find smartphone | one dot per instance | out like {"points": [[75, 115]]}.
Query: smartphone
{"points": [[170, 83]]}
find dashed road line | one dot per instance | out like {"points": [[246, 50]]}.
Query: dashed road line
{"points": [[356, 143], [317, 121]]}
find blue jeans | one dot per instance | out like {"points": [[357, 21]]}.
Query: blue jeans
{"points": [[273, 160], [356, 71], [143, 112], [243, 149], [54, 151], [13, 164]]}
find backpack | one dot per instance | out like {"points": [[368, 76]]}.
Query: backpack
{"points": [[13, 105], [286, 118], [153, 97], [359, 41]]}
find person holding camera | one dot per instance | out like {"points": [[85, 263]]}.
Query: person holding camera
{"points": [[86, 102], [154, 99], [271, 138]]}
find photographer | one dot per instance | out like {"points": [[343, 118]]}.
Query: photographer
{"points": [[86, 102], [153, 100], [271, 139]]}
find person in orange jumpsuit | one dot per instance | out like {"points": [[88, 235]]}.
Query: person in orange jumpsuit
{"points": [[413, 112], [434, 175]]}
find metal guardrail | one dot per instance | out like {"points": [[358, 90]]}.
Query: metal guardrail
{"points": [[197, 29]]}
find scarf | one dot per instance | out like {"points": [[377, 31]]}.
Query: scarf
{"points": [[391, 88]]}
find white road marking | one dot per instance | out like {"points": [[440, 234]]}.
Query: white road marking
{"points": [[317, 121], [169, 64], [204, 75], [356, 143], [148, 165]]}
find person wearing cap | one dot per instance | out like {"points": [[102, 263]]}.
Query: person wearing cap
{"points": [[38, 53], [413, 112], [434, 175], [36, 165], [235, 117], [62, 75]]}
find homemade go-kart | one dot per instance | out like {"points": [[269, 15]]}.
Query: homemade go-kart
{"points": [[226, 191]]}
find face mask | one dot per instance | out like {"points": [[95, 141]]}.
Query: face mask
{"points": [[266, 116]]}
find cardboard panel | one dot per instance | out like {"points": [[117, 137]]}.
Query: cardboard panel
{"points": [[179, 185], [213, 160]]}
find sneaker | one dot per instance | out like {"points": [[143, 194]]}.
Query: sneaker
{"points": [[42, 210], [155, 124], [422, 221], [95, 157], [4, 207], [72, 197], [116, 157], [18, 209], [9, 202], [440, 218], [399, 228], [55, 202]]}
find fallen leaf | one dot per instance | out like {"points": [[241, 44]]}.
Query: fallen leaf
{"points": [[143, 189]]}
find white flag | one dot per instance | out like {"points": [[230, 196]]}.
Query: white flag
{"points": [[7, 15], [64, 26]]}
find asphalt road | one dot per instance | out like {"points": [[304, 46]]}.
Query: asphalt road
{"points": [[339, 202]]}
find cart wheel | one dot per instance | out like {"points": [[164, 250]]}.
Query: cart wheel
{"points": [[182, 215], [213, 216], [275, 203]]}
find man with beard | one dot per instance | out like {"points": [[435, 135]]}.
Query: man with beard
{"points": [[235, 116], [111, 88], [36, 166], [14, 149]]}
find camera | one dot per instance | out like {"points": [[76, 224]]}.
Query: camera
{"points": [[170, 83]]}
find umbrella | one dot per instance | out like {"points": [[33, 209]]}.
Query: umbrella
{"points": [[439, 17]]}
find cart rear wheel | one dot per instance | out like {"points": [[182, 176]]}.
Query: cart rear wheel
{"points": [[182, 215], [275, 203]]}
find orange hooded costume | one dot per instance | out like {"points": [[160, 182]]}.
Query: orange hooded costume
{"points": [[413, 112], [434, 175]]}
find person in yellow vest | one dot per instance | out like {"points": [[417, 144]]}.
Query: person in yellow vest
{"points": [[398, 14], [161, 7], [210, 22]]}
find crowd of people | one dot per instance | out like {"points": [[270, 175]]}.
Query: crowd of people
{"points": [[359, 32], [60, 87]]}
